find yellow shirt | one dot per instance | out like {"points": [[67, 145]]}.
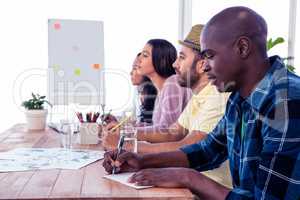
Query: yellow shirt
{"points": [[204, 110], [202, 113]]}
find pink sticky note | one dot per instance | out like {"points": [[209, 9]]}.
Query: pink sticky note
{"points": [[57, 26]]}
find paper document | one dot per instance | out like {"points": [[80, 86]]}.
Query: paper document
{"points": [[23, 159], [123, 178]]}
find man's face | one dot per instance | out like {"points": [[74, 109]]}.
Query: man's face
{"points": [[188, 76], [221, 64]]}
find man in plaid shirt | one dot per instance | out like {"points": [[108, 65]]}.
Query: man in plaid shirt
{"points": [[259, 133]]}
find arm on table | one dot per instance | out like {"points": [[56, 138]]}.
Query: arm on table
{"points": [[155, 134], [193, 137]]}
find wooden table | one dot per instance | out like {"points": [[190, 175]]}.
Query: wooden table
{"points": [[85, 183]]}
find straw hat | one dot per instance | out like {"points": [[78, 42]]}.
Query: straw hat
{"points": [[193, 38]]}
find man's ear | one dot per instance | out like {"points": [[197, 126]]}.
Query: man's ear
{"points": [[243, 45], [200, 66]]}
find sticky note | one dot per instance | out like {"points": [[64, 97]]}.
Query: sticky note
{"points": [[55, 67], [77, 72], [57, 26], [96, 66]]}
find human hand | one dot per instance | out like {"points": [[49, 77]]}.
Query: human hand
{"points": [[110, 138], [162, 177], [108, 118], [124, 162]]}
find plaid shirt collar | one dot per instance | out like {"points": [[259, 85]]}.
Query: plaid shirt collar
{"points": [[260, 93]]}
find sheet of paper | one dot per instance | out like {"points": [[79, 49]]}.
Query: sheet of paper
{"points": [[23, 159], [123, 178]]}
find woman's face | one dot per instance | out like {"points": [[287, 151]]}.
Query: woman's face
{"points": [[136, 79], [144, 62]]}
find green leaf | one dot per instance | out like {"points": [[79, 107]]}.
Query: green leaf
{"points": [[37, 102], [271, 43], [288, 58], [33, 95], [278, 40], [50, 104], [291, 68]]}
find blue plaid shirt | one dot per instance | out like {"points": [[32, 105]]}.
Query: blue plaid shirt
{"points": [[260, 135]]}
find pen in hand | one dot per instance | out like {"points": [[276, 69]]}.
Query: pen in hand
{"points": [[120, 146]]}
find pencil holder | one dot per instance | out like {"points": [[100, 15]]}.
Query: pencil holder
{"points": [[88, 133]]}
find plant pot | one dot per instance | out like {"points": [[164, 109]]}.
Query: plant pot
{"points": [[36, 119]]}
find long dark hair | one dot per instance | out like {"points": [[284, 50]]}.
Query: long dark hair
{"points": [[149, 91], [164, 55]]}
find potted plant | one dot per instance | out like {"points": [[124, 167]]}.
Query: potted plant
{"points": [[272, 43], [35, 113]]}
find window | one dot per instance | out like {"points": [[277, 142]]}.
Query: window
{"points": [[276, 14]]}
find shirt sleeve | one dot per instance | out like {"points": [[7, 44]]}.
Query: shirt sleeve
{"points": [[211, 112], [183, 119], [173, 99], [211, 152], [173, 102], [278, 171]]}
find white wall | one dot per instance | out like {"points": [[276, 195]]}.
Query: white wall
{"points": [[127, 24], [23, 43]]}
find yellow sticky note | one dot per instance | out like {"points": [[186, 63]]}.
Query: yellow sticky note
{"points": [[77, 72], [56, 67]]}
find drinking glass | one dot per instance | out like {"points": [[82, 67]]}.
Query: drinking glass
{"points": [[67, 130], [130, 138]]}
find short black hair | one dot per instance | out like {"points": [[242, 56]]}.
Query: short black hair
{"points": [[164, 55]]}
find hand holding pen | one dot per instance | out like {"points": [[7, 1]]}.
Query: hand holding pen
{"points": [[108, 118], [119, 149], [123, 162]]}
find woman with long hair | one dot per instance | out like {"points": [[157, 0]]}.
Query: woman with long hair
{"points": [[147, 95], [155, 62]]}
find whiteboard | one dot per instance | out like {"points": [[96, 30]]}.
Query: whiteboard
{"points": [[75, 62]]}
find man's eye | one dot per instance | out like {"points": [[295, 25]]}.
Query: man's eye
{"points": [[208, 55], [181, 57]]}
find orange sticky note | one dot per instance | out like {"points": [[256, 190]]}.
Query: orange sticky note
{"points": [[57, 26], [96, 66]]}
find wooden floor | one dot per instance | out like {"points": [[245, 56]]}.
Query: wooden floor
{"points": [[85, 183]]}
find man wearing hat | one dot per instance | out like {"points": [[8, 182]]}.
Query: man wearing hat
{"points": [[203, 111], [259, 132], [201, 114]]}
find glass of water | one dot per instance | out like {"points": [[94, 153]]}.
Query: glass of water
{"points": [[130, 138], [67, 130]]}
